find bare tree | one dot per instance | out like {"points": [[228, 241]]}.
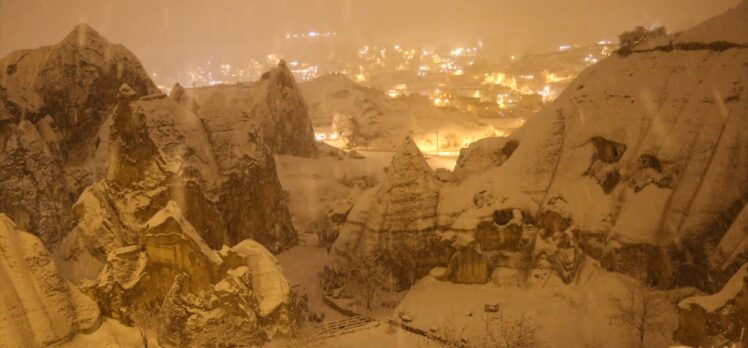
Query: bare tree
{"points": [[451, 332], [366, 277], [641, 311], [519, 332]]}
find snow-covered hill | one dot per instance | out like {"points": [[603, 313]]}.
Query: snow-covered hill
{"points": [[646, 149], [271, 107], [640, 164], [366, 117]]}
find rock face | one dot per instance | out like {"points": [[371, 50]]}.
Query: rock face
{"points": [[152, 230], [47, 128], [467, 266], [140, 181], [398, 218], [55, 142], [201, 296], [232, 165], [271, 107], [38, 307]]}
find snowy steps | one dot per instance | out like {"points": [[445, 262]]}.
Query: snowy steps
{"points": [[346, 326]]}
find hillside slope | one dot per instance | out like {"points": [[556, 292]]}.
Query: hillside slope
{"points": [[366, 117]]}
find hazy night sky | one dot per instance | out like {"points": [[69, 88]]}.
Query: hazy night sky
{"points": [[167, 34]]}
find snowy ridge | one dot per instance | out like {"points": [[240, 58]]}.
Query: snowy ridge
{"points": [[651, 155], [731, 27]]}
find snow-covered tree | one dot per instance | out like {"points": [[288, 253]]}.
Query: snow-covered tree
{"points": [[641, 311], [366, 277], [629, 39]]}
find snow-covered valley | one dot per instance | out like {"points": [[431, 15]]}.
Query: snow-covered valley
{"points": [[212, 217]]}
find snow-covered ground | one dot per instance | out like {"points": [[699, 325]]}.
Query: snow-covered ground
{"points": [[111, 334], [575, 315]]}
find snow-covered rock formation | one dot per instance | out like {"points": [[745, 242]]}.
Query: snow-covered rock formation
{"points": [[272, 108], [229, 165], [140, 180], [398, 217], [39, 307], [55, 142], [644, 156], [193, 294], [145, 234], [640, 164], [366, 117], [718, 319], [48, 128]]}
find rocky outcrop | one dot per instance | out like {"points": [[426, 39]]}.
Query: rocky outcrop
{"points": [[407, 198], [234, 167], [484, 154], [49, 129], [716, 320], [39, 307], [201, 296], [271, 108], [398, 218], [651, 181], [56, 141], [139, 182], [467, 265]]}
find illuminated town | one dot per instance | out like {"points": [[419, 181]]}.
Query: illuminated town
{"points": [[466, 78]]}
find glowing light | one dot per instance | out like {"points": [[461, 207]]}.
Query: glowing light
{"points": [[441, 101], [225, 68], [313, 34], [501, 101], [273, 59], [590, 59], [563, 48], [458, 72], [553, 78], [545, 93], [360, 78], [392, 93]]}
